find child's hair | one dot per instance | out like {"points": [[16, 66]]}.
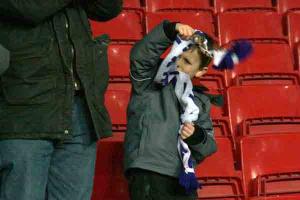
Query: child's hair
{"points": [[205, 60]]}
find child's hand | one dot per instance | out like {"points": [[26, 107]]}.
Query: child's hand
{"points": [[187, 130], [185, 31]]}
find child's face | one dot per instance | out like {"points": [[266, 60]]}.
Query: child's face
{"points": [[189, 62]]}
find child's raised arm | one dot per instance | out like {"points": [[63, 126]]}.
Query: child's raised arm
{"points": [[145, 54], [145, 57]]}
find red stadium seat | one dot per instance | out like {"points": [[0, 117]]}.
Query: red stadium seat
{"points": [[118, 59], [116, 101], [202, 20], [241, 25], [128, 26], [262, 68], [109, 181], [131, 4], [260, 109], [286, 5], [220, 182], [159, 5], [224, 157], [271, 164], [231, 5]]}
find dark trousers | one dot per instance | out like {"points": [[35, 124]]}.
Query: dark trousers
{"points": [[147, 185]]}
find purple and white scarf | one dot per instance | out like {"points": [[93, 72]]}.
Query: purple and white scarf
{"points": [[167, 72], [184, 92]]}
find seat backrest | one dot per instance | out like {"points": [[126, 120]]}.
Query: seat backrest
{"points": [[118, 59], [131, 4], [286, 5], [159, 5], [116, 101], [241, 25], [121, 27], [271, 155], [262, 60], [223, 5], [109, 180], [220, 182], [202, 20], [248, 102], [224, 157]]}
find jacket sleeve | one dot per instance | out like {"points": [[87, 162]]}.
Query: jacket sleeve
{"points": [[145, 57], [102, 10], [208, 145], [31, 11]]}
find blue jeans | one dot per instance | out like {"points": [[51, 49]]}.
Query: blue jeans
{"points": [[47, 170]]}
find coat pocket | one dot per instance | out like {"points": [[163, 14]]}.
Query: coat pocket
{"points": [[32, 60], [31, 92], [29, 79]]}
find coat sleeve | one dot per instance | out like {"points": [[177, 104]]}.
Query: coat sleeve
{"points": [[145, 57], [208, 145], [102, 10], [31, 11]]}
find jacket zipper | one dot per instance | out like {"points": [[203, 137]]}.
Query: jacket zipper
{"points": [[71, 69]]}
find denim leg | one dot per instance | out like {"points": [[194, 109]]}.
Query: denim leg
{"points": [[24, 168], [73, 163]]}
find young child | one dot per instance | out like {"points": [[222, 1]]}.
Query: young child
{"points": [[152, 161], [169, 128]]}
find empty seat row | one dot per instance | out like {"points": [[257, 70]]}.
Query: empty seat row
{"points": [[202, 20], [267, 30], [252, 110], [270, 169], [227, 27], [110, 183], [214, 5], [271, 165], [259, 109], [260, 68]]}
